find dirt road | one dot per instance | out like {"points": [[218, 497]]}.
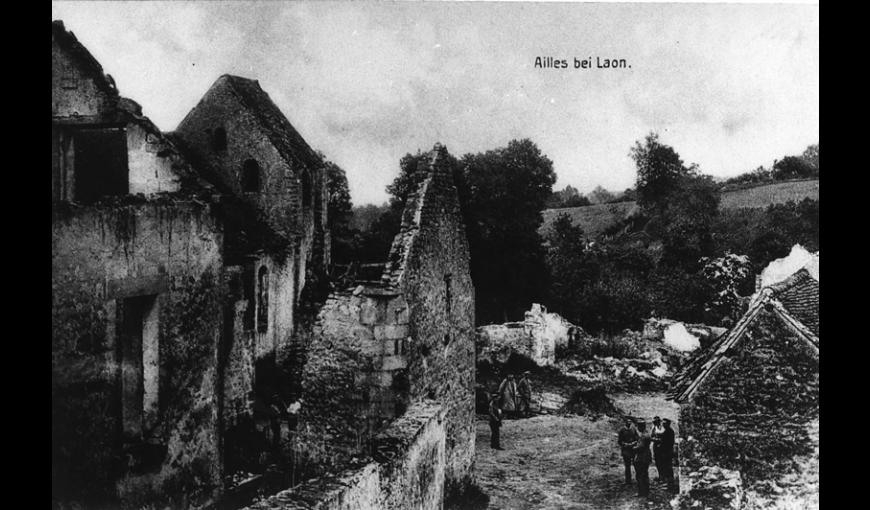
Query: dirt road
{"points": [[565, 462]]}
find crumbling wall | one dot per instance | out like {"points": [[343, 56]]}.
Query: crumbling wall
{"points": [[78, 86], [429, 263], [751, 414], [355, 381], [102, 257], [150, 161], [537, 337], [408, 471]]}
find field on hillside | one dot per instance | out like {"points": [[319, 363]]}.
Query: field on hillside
{"points": [[593, 219]]}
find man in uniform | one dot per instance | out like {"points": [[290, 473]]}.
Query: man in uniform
{"points": [[494, 422], [524, 389], [507, 390], [656, 435], [627, 438], [667, 453], [642, 459]]}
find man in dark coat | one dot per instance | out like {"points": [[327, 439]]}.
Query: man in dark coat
{"points": [[642, 459], [627, 438], [656, 435], [524, 391], [495, 416], [666, 451]]}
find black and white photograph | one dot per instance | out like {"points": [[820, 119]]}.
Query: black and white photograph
{"points": [[434, 255]]}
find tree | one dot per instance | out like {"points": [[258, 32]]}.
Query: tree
{"points": [[729, 276], [811, 156], [338, 211], [571, 269], [568, 197], [503, 192], [659, 172], [600, 195], [792, 167]]}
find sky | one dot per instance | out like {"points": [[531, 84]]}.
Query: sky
{"points": [[729, 86]]}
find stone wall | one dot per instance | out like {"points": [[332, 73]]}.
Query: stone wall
{"points": [[355, 380], [429, 263], [408, 471], [111, 438], [536, 338], [751, 414]]}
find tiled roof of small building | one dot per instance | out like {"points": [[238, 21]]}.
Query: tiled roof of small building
{"points": [[281, 133], [799, 294], [706, 361]]}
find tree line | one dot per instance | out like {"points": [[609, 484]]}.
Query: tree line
{"points": [[678, 256]]}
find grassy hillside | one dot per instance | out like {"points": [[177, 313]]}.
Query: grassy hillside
{"points": [[593, 219]]}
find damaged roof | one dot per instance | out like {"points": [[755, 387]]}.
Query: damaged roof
{"points": [[705, 362], [281, 133], [799, 294], [67, 40]]}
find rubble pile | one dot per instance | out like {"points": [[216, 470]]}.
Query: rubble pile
{"points": [[711, 487]]}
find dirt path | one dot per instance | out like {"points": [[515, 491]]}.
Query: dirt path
{"points": [[565, 462]]}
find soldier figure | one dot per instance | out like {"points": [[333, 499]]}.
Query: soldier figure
{"points": [[667, 452], [524, 389], [656, 435], [507, 390], [642, 459], [494, 422], [627, 440]]}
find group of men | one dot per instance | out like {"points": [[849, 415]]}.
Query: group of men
{"points": [[513, 399], [635, 442]]}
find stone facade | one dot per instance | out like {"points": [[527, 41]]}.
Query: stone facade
{"points": [[379, 348], [172, 293]]}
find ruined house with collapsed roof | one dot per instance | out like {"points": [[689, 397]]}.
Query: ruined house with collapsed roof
{"points": [[750, 402], [188, 290]]}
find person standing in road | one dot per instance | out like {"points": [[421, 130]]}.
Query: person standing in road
{"points": [[495, 415], [642, 459], [667, 452], [524, 390], [656, 435], [507, 390], [627, 439]]}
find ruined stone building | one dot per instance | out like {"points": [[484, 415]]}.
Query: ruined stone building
{"points": [[177, 264], [750, 402], [194, 333]]}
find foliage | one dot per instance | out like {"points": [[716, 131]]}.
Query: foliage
{"points": [[568, 197], [659, 173], [793, 167], [503, 192], [600, 195], [729, 276], [339, 212]]}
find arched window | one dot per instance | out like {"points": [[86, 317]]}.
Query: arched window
{"points": [[219, 139], [306, 189], [263, 300], [251, 176]]}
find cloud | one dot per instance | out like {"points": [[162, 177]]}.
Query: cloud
{"points": [[729, 86]]}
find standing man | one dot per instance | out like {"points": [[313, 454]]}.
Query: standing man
{"points": [[656, 435], [627, 439], [494, 422], [524, 389], [642, 459], [508, 392], [667, 453]]}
